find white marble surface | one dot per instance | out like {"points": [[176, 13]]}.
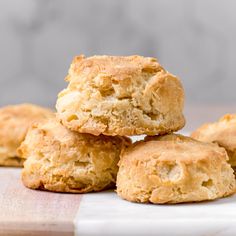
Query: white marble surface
{"points": [[193, 39], [105, 214]]}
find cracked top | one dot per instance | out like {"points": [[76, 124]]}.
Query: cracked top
{"points": [[175, 147], [114, 95], [222, 132]]}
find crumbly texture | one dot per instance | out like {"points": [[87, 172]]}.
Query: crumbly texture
{"points": [[14, 123], [174, 169], [61, 160], [115, 95], [222, 132]]}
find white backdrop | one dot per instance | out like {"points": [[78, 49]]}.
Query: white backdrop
{"points": [[194, 39]]}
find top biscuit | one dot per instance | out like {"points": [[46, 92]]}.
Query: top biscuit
{"points": [[222, 132], [115, 95], [14, 123]]}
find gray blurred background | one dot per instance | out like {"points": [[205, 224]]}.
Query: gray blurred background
{"points": [[194, 39]]}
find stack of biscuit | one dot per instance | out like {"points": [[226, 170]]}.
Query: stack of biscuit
{"points": [[85, 146]]}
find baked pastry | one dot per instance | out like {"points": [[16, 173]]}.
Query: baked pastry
{"points": [[14, 123], [61, 160], [114, 95], [174, 169], [222, 132]]}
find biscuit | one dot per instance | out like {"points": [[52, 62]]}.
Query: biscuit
{"points": [[174, 169], [61, 160], [115, 95], [14, 123], [222, 132]]}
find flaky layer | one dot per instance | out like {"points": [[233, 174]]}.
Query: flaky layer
{"points": [[121, 96], [14, 123], [174, 169], [64, 161], [222, 132]]}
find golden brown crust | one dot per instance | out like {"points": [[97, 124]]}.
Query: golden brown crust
{"points": [[222, 132], [174, 169], [14, 123], [121, 96], [61, 160], [13, 162]]}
